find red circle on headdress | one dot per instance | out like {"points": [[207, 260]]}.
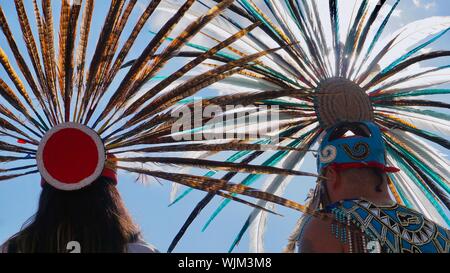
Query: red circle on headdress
{"points": [[71, 156]]}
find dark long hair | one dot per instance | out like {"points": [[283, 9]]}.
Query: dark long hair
{"points": [[95, 217]]}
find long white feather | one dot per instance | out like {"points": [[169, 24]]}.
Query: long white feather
{"points": [[409, 37], [276, 185], [424, 122], [415, 195], [422, 82], [430, 156], [222, 29]]}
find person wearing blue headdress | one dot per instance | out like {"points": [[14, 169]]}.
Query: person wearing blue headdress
{"points": [[360, 214]]}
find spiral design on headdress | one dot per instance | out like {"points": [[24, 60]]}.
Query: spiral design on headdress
{"points": [[328, 154], [358, 152]]}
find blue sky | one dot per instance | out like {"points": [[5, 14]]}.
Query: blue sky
{"points": [[148, 204]]}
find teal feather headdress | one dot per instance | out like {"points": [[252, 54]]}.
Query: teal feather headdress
{"points": [[52, 85], [338, 64]]}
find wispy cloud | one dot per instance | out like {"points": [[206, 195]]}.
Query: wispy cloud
{"points": [[430, 5], [397, 12], [427, 5]]}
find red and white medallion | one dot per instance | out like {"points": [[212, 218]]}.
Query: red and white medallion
{"points": [[71, 156]]}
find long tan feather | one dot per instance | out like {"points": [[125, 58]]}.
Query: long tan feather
{"points": [[18, 122], [64, 18], [179, 41], [30, 42], [213, 185], [195, 84], [98, 58], [8, 147], [81, 54], [51, 88], [15, 78], [131, 39], [69, 59], [144, 58], [188, 67], [9, 177], [213, 147], [215, 165], [8, 94], [23, 65], [6, 125], [111, 49]]}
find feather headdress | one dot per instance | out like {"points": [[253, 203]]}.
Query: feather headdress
{"points": [[341, 66], [72, 117]]}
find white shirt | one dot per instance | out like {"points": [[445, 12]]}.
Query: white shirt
{"points": [[141, 247], [3, 248], [138, 247]]}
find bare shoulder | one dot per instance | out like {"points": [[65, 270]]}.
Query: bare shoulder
{"points": [[317, 238]]}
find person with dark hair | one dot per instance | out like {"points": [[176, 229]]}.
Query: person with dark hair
{"points": [[358, 211], [82, 114], [94, 217]]}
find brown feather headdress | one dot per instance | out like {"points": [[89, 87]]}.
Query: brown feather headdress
{"points": [[70, 115]]}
